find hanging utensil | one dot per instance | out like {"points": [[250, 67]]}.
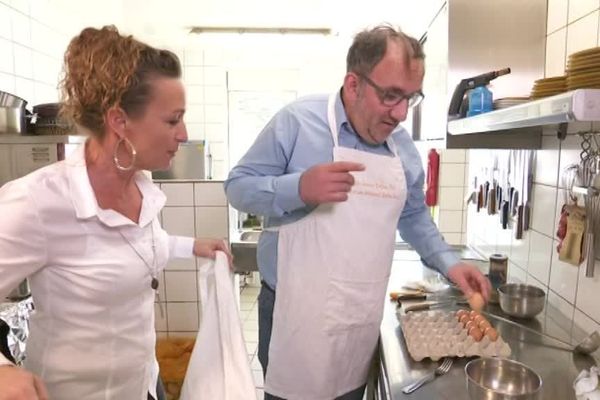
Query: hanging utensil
{"points": [[491, 205], [528, 183], [588, 345]]}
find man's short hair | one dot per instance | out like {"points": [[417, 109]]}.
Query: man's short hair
{"points": [[369, 47]]}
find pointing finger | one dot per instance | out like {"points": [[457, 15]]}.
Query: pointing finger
{"points": [[346, 166]]}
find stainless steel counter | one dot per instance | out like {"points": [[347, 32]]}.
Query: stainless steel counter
{"points": [[558, 368]]}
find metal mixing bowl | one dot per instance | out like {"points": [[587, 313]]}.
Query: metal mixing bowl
{"points": [[521, 301], [501, 379]]}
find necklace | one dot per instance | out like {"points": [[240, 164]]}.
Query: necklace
{"points": [[151, 269]]}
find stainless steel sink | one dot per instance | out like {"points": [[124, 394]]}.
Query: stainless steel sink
{"points": [[250, 236], [244, 252]]}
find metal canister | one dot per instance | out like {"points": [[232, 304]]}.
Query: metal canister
{"points": [[497, 273]]}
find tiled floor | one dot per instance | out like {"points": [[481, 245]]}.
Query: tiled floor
{"points": [[249, 315]]}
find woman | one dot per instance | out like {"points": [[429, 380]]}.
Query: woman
{"points": [[86, 231]]}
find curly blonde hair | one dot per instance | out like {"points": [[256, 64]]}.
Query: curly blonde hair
{"points": [[103, 69]]}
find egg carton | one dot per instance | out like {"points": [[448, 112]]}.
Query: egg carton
{"points": [[437, 334]]}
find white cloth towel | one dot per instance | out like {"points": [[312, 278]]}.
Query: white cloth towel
{"points": [[586, 385], [219, 367]]}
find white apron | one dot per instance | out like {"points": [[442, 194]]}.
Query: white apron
{"points": [[219, 367], [333, 268]]}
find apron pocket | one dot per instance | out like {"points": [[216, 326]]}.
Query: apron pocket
{"points": [[352, 304]]}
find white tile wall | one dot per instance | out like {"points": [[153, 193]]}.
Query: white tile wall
{"points": [[30, 61], [556, 47], [540, 257], [544, 200], [557, 14], [451, 198], [450, 213], [179, 220], [572, 26], [580, 8], [452, 174], [196, 209], [210, 194], [516, 274], [519, 251], [563, 277], [212, 222], [583, 33], [178, 194], [548, 155], [181, 286], [182, 317]]}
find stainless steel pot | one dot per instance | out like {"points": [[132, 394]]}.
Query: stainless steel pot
{"points": [[521, 301], [20, 292], [10, 100], [501, 379], [14, 117], [13, 120]]}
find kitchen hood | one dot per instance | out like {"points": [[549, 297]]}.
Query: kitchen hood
{"points": [[576, 105]]}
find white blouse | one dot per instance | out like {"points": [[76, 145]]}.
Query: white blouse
{"points": [[92, 333]]}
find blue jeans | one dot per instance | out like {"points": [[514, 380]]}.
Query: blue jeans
{"points": [[160, 391], [266, 304]]}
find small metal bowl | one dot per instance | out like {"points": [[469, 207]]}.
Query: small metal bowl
{"points": [[521, 301], [501, 379]]}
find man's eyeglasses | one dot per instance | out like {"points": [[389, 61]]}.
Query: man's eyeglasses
{"points": [[390, 98]]}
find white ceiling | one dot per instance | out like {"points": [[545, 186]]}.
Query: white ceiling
{"points": [[168, 20]]}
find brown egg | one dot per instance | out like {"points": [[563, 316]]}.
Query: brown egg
{"points": [[473, 314], [476, 301], [483, 324], [475, 333], [460, 313], [464, 319], [478, 318], [492, 334], [469, 324]]}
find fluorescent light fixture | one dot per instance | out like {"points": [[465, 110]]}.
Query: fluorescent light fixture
{"points": [[261, 30]]}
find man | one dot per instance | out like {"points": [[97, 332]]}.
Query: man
{"points": [[335, 178]]}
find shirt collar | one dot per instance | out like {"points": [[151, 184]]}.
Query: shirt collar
{"points": [[85, 203], [341, 117]]}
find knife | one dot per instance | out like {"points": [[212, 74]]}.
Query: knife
{"points": [[434, 304], [428, 298]]}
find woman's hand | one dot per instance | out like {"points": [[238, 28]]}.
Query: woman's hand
{"points": [[208, 248], [18, 384]]}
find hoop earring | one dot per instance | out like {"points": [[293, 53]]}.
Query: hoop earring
{"points": [[116, 156]]}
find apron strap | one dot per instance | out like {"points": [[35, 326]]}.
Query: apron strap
{"points": [[331, 119], [333, 128]]}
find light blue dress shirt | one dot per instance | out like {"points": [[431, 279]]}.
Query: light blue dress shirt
{"points": [[266, 180]]}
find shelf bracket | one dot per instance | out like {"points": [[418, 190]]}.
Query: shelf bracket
{"points": [[562, 130]]}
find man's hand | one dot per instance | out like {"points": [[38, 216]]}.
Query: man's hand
{"points": [[470, 280], [208, 248], [328, 183], [18, 384]]}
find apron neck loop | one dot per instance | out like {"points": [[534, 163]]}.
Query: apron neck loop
{"points": [[333, 128], [331, 119]]}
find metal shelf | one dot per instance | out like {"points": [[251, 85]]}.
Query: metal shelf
{"points": [[576, 105]]}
